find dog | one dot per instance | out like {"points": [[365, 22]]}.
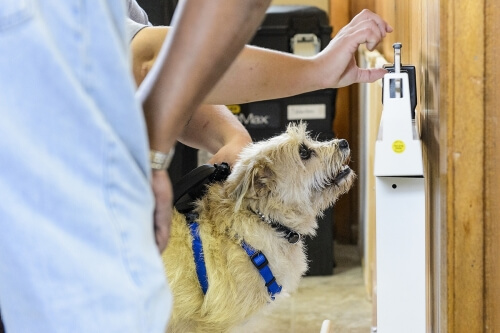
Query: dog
{"points": [[250, 228]]}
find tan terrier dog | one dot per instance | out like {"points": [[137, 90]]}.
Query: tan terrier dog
{"points": [[249, 230]]}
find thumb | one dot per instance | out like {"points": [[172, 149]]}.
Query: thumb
{"points": [[370, 75]]}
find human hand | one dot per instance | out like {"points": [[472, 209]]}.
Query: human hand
{"points": [[162, 189], [338, 58], [229, 152]]}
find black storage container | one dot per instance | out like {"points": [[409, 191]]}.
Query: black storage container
{"points": [[160, 12], [268, 118], [297, 29], [284, 23]]}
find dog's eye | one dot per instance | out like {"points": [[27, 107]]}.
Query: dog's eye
{"points": [[304, 152]]}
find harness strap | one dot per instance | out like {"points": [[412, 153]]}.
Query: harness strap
{"points": [[260, 262], [199, 258], [258, 259]]}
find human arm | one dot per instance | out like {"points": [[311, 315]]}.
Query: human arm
{"points": [[215, 129], [260, 74]]}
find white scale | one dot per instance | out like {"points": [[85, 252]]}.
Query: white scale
{"points": [[401, 235]]}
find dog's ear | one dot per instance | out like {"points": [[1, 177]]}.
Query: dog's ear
{"points": [[256, 182], [263, 181]]}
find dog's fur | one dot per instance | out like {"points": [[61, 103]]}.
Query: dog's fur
{"points": [[271, 177]]}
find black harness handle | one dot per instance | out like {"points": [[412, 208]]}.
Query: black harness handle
{"points": [[193, 185]]}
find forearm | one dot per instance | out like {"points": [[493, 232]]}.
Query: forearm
{"points": [[261, 74], [213, 127], [206, 37], [256, 74]]}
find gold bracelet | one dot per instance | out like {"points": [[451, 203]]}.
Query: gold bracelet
{"points": [[159, 160]]}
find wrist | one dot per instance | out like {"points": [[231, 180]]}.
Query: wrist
{"points": [[160, 160]]}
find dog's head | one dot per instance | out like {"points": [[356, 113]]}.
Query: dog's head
{"points": [[291, 178]]}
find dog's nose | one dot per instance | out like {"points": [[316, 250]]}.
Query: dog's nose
{"points": [[343, 144]]}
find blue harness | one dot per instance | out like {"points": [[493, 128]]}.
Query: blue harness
{"points": [[258, 259]]}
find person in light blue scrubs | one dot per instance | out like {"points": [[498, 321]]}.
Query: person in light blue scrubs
{"points": [[77, 245]]}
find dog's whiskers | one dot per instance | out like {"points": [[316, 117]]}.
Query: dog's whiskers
{"points": [[334, 179]]}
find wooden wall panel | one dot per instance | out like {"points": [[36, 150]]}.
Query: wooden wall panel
{"points": [[434, 134], [343, 213], [492, 161], [462, 73], [370, 110], [358, 5]]}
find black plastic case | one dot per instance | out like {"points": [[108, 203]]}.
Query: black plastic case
{"points": [[282, 23]]}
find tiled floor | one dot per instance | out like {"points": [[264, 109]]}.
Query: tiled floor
{"points": [[341, 298]]}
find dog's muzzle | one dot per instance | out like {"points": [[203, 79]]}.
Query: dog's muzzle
{"points": [[341, 175]]}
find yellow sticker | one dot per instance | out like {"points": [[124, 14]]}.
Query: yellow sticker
{"points": [[235, 108], [398, 146]]}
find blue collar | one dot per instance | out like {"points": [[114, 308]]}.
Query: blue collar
{"points": [[258, 259]]}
